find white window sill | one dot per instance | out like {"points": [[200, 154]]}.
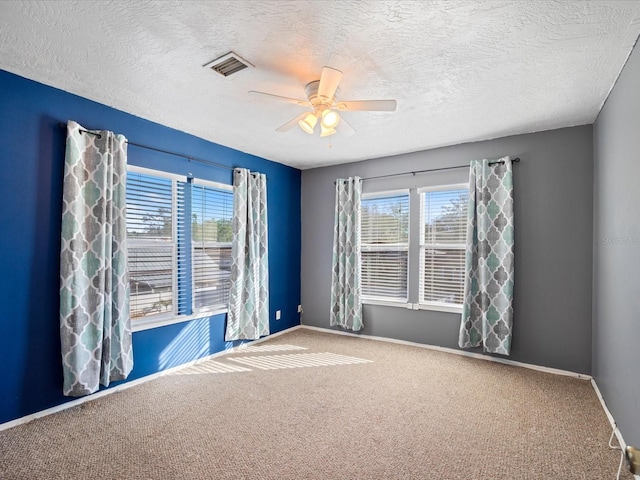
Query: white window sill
{"points": [[148, 324], [438, 307], [386, 303]]}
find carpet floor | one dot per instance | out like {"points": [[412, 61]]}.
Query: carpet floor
{"points": [[312, 405]]}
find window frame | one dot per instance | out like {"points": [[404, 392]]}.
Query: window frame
{"points": [[381, 300], [422, 246], [173, 317]]}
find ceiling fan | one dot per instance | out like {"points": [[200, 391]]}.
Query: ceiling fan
{"points": [[321, 99]]}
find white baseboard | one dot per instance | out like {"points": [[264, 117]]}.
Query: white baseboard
{"points": [[479, 356], [133, 383]]}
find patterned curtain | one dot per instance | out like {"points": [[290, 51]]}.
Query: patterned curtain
{"points": [[346, 293], [248, 316], [487, 312], [95, 329]]}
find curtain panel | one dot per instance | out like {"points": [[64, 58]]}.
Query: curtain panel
{"points": [[487, 312], [95, 328], [248, 316], [346, 289]]}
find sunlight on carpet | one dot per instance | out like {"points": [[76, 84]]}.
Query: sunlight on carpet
{"points": [[267, 348], [210, 366], [298, 360]]}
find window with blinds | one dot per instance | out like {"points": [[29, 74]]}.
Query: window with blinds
{"points": [[151, 244], [211, 215], [385, 246], [178, 244], [442, 246]]}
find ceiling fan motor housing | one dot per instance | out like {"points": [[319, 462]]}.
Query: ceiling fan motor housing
{"points": [[312, 96]]}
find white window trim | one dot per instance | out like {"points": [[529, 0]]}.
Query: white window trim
{"points": [[432, 306], [156, 173], [439, 307], [212, 184], [443, 188], [385, 194], [386, 302], [168, 319]]}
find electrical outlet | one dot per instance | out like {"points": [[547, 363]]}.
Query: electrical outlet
{"points": [[299, 308], [278, 314]]}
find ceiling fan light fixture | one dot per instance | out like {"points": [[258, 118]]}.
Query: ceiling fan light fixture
{"points": [[325, 132], [308, 123], [322, 100], [329, 119]]}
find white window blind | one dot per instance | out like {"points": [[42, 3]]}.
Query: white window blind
{"points": [[151, 244], [212, 213], [385, 246], [179, 245], [442, 248]]}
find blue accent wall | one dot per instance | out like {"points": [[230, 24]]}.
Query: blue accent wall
{"points": [[31, 170]]}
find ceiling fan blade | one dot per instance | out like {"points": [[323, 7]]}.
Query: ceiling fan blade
{"points": [[329, 81], [344, 127], [368, 105], [302, 103], [291, 123]]}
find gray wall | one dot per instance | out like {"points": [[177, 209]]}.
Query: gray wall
{"points": [[616, 284], [554, 250]]}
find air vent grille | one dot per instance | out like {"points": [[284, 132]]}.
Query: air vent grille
{"points": [[228, 64]]}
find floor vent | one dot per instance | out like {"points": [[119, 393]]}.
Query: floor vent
{"points": [[228, 64]]}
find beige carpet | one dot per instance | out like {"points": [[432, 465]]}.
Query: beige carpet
{"points": [[310, 405]]}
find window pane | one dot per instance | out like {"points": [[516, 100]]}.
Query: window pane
{"points": [[384, 239], [385, 220], [149, 206], [443, 275], [212, 267], [150, 244], [212, 212], [151, 279], [384, 274], [445, 216]]}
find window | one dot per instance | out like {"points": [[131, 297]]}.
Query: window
{"points": [[179, 245], [211, 214], [385, 246], [442, 245], [151, 244]]}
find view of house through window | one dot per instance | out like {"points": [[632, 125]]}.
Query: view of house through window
{"points": [[442, 246], [211, 215], [385, 246], [151, 244], [435, 278], [177, 266]]}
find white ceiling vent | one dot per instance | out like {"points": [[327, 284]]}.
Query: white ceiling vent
{"points": [[228, 64]]}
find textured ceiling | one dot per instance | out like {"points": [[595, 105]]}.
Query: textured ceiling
{"points": [[460, 70]]}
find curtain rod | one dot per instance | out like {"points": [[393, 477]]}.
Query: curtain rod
{"points": [[515, 160], [195, 159]]}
